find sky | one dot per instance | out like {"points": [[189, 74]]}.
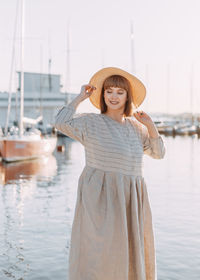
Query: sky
{"points": [[166, 46]]}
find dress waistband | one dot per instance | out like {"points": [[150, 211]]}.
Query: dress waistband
{"points": [[135, 171]]}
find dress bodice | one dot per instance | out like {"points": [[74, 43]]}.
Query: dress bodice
{"points": [[110, 145]]}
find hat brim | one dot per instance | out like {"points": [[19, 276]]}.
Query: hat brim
{"points": [[138, 89]]}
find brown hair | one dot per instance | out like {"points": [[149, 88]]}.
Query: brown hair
{"points": [[121, 82]]}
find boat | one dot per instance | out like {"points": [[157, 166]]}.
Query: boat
{"points": [[1, 138], [165, 127], [186, 129], [25, 145]]}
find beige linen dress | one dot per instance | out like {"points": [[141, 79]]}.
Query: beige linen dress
{"points": [[112, 232]]}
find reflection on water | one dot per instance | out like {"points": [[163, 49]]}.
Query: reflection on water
{"points": [[174, 188], [37, 202], [41, 167]]}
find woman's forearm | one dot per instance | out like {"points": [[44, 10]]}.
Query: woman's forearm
{"points": [[152, 130], [76, 101]]}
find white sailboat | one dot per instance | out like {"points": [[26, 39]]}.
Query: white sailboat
{"points": [[28, 145]]}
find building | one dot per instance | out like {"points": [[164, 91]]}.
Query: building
{"points": [[42, 96]]}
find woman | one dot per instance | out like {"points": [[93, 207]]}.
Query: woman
{"points": [[112, 233]]}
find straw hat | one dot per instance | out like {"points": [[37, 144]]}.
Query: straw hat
{"points": [[138, 90]]}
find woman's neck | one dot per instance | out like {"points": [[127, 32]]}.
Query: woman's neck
{"points": [[116, 116]]}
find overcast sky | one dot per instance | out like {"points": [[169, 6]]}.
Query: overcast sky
{"points": [[166, 45]]}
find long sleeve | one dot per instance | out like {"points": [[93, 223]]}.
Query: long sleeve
{"points": [[154, 147], [71, 124]]}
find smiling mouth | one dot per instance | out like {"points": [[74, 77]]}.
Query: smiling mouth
{"points": [[114, 103]]}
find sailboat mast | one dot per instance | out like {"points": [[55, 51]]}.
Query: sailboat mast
{"points": [[147, 84], [102, 58], [192, 93], [132, 49], [11, 72], [21, 128], [168, 77], [41, 79], [49, 64], [67, 75]]}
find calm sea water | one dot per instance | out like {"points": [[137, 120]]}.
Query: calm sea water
{"points": [[37, 202]]}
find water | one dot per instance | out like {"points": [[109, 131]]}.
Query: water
{"points": [[37, 205]]}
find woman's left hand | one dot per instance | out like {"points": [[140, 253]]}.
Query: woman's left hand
{"points": [[142, 117]]}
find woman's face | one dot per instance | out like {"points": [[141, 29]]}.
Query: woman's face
{"points": [[115, 98]]}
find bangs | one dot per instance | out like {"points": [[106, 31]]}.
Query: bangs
{"points": [[116, 81]]}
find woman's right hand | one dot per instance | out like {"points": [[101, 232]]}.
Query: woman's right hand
{"points": [[86, 91]]}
